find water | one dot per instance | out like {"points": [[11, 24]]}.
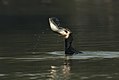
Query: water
{"points": [[38, 57], [52, 67], [29, 50]]}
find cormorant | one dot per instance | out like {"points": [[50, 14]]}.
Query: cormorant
{"points": [[66, 33]]}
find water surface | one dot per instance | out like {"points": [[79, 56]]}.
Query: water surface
{"points": [[29, 50], [38, 57]]}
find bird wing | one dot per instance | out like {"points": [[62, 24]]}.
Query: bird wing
{"points": [[53, 25], [60, 30]]}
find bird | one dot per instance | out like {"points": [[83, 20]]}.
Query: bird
{"points": [[65, 33]]}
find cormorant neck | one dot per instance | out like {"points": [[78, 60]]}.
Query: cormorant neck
{"points": [[68, 41], [69, 50]]}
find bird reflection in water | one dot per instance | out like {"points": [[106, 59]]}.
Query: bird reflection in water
{"points": [[61, 72]]}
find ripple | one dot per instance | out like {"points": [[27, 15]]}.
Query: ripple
{"points": [[89, 54], [60, 55], [2, 75]]}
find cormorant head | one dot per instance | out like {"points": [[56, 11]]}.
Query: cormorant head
{"points": [[65, 32]]}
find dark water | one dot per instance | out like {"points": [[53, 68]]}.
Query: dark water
{"points": [[40, 57]]}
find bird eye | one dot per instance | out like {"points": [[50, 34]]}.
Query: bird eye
{"points": [[66, 31]]}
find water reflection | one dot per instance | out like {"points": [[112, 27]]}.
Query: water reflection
{"points": [[56, 68], [62, 72]]}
